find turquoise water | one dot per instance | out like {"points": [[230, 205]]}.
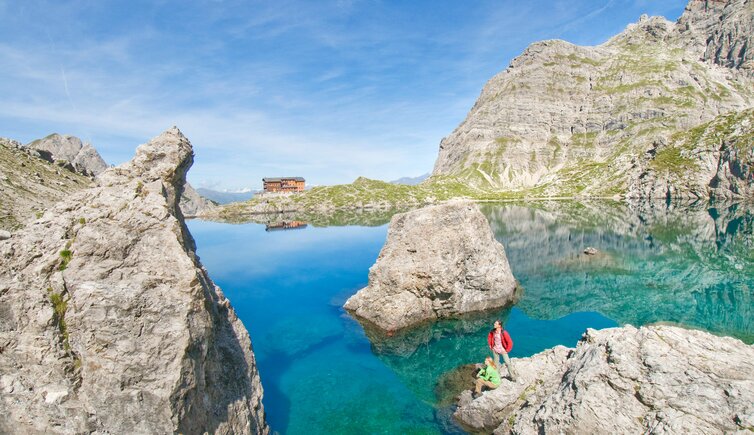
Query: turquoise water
{"points": [[689, 265]]}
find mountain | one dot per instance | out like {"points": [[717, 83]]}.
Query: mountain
{"points": [[224, 197], [69, 151], [620, 118], [411, 181]]}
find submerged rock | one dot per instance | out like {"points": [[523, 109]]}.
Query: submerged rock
{"points": [[591, 251], [109, 323], [453, 383], [656, 379], [437, 262]]}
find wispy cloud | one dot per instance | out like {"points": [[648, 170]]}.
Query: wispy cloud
{"points": [[328, 90]]}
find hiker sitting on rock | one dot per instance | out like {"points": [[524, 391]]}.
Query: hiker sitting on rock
{"points": [[487, 377]]}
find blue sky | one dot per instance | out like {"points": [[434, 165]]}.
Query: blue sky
{"points": [[329, 90]]}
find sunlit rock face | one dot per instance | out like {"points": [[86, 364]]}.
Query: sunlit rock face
{"points": [[658, 379], [437, 262], [109, 323], [566, 120], [69, 150]]}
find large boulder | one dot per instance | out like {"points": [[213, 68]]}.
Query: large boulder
{"points": [[656, 379], [110, 324], [439, 261]]}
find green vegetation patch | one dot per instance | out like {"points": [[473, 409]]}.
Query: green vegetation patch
{"points": [[577, 61], [584, 140], [671, 159], [66, 256], [59, 308]]}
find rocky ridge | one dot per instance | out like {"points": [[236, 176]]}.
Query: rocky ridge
{"points": [[565, 120], [69, 151], [439, 261], [656, 379], [109, 323]]}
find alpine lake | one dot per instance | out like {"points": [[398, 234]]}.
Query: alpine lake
{"points": [[685, 264]]}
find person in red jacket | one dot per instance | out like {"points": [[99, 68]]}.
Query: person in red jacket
{"points": [[500, 344]]}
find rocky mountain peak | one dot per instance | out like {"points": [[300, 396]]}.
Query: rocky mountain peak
{"points": [[166, 157], [68, 151], [568, 120], [646, 30]]}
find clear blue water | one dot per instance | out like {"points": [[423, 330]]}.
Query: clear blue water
{"points": [[322, 374]]}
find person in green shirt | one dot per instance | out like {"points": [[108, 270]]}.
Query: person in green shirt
{"points": [[487, 377]]}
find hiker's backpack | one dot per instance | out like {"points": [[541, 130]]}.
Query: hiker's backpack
{"points": [[507, 341]]}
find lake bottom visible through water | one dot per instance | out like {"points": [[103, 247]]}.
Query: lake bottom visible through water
{"points": [[321, 374]]}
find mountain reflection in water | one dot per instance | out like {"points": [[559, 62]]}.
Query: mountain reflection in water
{"points": [[323, 372], [690, 264]]}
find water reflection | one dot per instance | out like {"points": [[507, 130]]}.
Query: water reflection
{"points": [[364, 217], [690, 264], [285, 225]]}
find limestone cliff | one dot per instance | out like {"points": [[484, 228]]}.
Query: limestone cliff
{"points": [[109, 323], [656, 379], [439, 261], [565, 120]]}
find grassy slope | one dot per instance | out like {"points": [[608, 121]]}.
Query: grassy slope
{"points": [[28, 185]]}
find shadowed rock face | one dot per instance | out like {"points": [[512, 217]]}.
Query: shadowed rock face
{"points": [[439, 261], [110, 323], [722, 30], [656, 379]]}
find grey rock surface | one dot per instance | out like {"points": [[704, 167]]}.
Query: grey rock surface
{"points": [[110, 324], [192, 204], [566, 120], [656, 379], [58, 148], [438, 261], [722, 30]]}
